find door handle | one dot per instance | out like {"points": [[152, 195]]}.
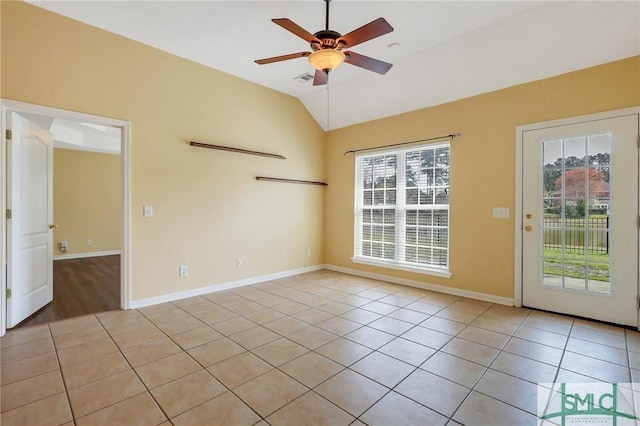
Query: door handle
{"points": [[53, 226], [528, 228]]}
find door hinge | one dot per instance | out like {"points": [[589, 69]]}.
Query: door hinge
{"points": [[8, 293], [9, 134], [8, 213]]}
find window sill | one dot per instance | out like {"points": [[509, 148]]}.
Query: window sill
{"points": [[444, 273]]}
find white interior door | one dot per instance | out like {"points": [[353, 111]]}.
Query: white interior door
{"points": [[580, 219], [29, 235]]}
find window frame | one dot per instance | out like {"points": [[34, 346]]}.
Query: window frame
{"points": [[400, 208]]}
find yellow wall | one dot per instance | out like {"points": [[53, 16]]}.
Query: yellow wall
{"points": [[482, 166], [87, 201], [208, 208]]}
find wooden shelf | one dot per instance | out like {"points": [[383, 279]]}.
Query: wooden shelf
{"points": [[305, 182], [237, 150]]}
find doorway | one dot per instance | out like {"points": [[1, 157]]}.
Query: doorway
{"points": [[578, 235], [13, 108], [81, 286]]}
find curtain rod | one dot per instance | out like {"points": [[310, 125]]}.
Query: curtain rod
{"points": [[451, 136]]}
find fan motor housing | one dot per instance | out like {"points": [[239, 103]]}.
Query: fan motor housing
{"points": [[328, 38]]}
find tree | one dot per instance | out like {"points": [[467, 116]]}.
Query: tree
{"points": [[553, 171], [575, 182], [550, 177]]}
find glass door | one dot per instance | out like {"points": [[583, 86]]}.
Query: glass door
{"points": [[580, 231]]}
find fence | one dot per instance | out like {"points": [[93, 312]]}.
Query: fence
{"points": [[574, 229]]}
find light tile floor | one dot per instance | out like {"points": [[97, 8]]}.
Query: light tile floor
{"points": [[321, 348]]}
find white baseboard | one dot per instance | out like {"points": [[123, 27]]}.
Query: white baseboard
{"points": [[83, 255], [426, 286], [141, 303]]}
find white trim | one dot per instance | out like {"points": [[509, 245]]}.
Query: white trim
{"points": [[125, 127], [416, 270], [520, 130], [3, 223], [85, 255], [400, 207], [125, 236], [517, 291], [141, 303], [426, 286]]}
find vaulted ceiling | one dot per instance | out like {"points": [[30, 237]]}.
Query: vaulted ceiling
{"points": [[440, 50]]}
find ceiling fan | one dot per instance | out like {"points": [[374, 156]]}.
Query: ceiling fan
{"points": [[327, 47]]}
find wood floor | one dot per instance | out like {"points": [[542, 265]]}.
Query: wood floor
{"points": [[80, 287]]}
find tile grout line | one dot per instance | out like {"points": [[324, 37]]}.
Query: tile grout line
{"points": [[416, 368], [64, 381], [196, 361], [512, 336], [282, 336], [450, 417], [361, 325], [334, 314], [390, 389], [132, 369], [313, 350], [249, 351]]}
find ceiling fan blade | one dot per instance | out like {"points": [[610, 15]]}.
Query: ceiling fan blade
{"points": [[366, 32], [366, 62], [320, 78], [282, 58], [289, 25]]}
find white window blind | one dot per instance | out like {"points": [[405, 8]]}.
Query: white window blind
{"points": [[402, 208]]}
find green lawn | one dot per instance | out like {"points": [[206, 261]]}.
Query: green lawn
{"points": [[574, 265]]}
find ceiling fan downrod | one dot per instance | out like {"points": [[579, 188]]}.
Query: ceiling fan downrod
{"points": [[326, 26], [328, 39]]}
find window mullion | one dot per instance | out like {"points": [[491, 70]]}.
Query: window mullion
{"points": [[389, 193], [359, 206], [401, 184]]}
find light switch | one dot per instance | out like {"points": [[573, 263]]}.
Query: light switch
{"points": [[501, 212], [148, 211]]}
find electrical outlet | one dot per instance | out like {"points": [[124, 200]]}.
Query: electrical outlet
{"points": [[89, 242], [184, 271], [308, 252], [239, 263]]}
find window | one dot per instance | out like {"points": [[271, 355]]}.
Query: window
{"points": [[402, 209]]}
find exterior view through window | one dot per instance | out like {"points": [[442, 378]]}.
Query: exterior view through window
{"points": [[402, 208], [576, 210]]}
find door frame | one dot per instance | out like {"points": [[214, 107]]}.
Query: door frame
{"points": [[519, 215], [6, 106]]}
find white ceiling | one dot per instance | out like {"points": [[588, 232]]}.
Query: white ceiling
{"points": [[446, 50], [68, 134]]}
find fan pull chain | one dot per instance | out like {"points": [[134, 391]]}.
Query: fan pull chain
{"points": [[328, 109]]}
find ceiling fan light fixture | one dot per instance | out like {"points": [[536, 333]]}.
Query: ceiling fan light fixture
{"points": [[326, 59]]}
